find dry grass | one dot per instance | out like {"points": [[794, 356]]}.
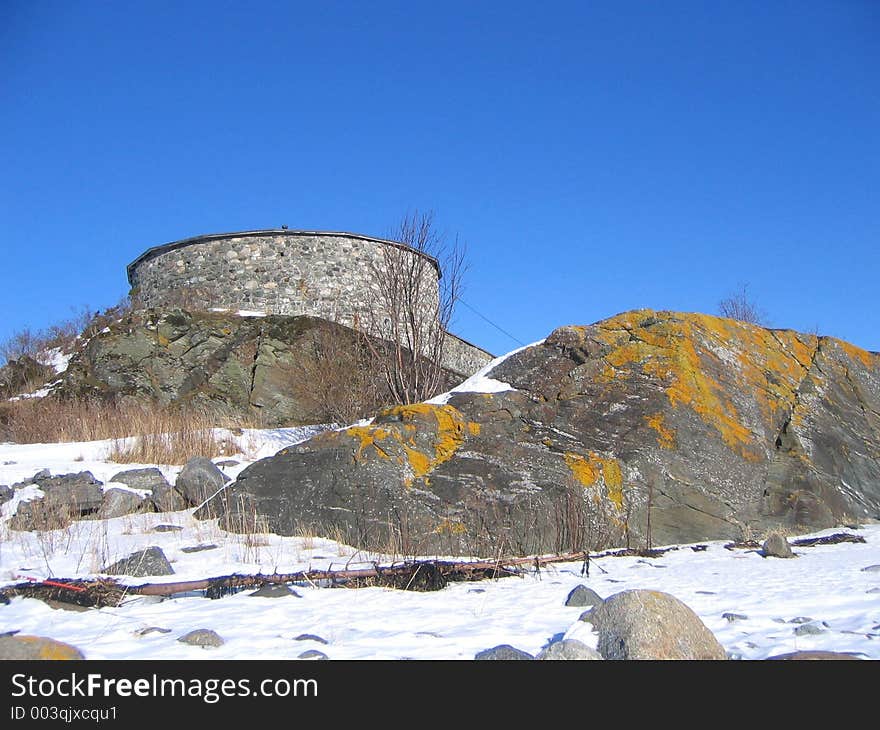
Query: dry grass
{"points": [[144, 434]]}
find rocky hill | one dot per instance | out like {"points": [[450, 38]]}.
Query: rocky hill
{"points": [[645, 428], [274, 370]]}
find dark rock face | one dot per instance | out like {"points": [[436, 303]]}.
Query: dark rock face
{"points": [[703, 427], [221, 362]]}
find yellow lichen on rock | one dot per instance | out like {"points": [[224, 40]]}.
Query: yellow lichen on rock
{"points": [[665, 435], [591, 469], [450, 527], [448, 437], [368, 436]]}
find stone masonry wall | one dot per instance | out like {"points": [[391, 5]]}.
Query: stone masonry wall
{"points": [[327, 275]]}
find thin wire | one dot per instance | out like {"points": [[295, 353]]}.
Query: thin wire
{"points": [[482, 316]]}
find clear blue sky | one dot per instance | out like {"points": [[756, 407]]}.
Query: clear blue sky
{"points": [[595, 156]]}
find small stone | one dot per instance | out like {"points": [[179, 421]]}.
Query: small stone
{"points": [[202, 637], [731, 617], [871, 569], [569, 649], [503, 652], [167, 528], [583, 596], [275, 590], [476, 590], [311, 637], [313, 654], [226, 462], [876, 589], [800, 620], [151, 630], [809, 629], [198, 548]]}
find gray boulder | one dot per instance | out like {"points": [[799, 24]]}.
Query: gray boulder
{"points": [[199, 479], [311, 637], [167, 499], [151, 561], [503, 652], [5, 493], [583, 596], [206, 638], [569, 649], [119, 502], [776, 546], [148, 478], [643, 624], [66, 497]]}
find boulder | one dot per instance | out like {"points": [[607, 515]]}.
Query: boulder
{"points": [[644, 624], [119, 502], [199, 479], [148, 478], [151, 561], [24, 648], [5, 493], [569, 649], [503, 652], [66, 497], [583, 596], [776, 546], [716, 427]]}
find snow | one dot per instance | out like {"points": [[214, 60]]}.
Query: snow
{"points": [[827, 584], [480, 382]]}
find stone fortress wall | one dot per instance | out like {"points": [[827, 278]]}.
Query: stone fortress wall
{"points": [[320, 274]]}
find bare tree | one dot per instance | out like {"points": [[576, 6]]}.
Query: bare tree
{"points": [[740, 306], [413, 310]]}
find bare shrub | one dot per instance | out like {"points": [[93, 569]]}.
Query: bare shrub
{"points": [[739, 305], [409, 313], [339, 376]]}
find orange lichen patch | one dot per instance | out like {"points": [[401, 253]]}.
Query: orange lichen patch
{"points": [[589, 470], [368, 436], [665, 435], [449, 435], [586, 472], [684, 351], [473, 428], [448, 527], [856, 353]]}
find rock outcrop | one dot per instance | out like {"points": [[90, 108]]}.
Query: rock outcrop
{"points": [[649, 427], [279, 370]]}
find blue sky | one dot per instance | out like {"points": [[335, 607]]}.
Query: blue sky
{"points": [[595, 156]]}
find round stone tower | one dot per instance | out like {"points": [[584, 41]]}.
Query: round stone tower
{"points": [[326, 275]]}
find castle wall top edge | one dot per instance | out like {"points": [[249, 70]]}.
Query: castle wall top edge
{"points": [[156, 250]]}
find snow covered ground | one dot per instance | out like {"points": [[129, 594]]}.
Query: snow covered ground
{"points": [[826, 588]]}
